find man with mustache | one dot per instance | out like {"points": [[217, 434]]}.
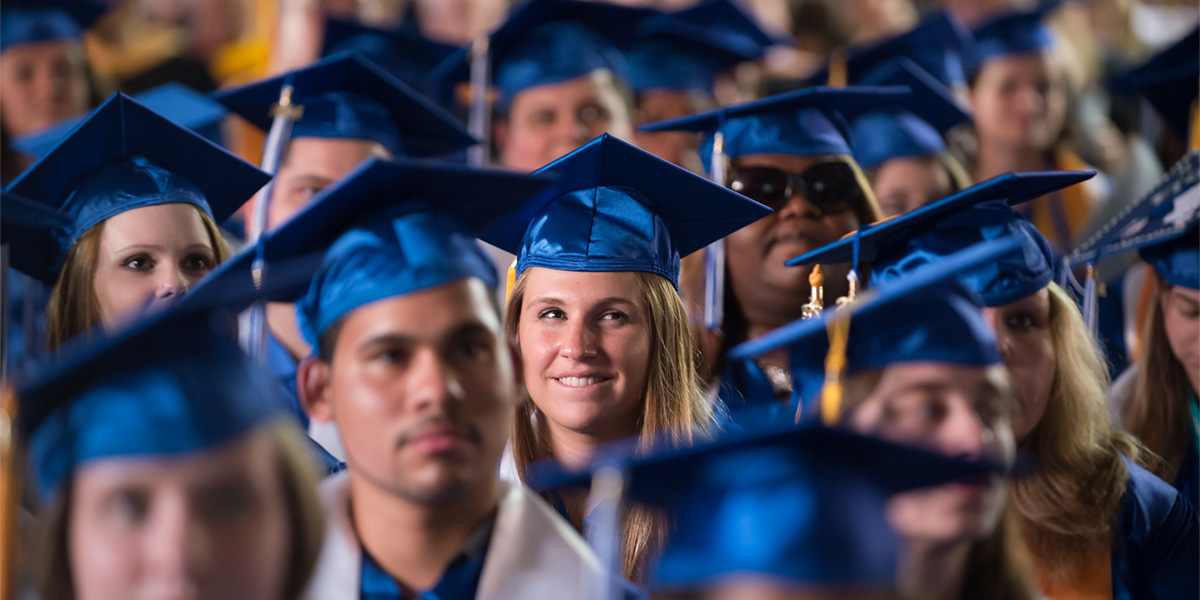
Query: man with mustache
{"points": [[413, 369]]}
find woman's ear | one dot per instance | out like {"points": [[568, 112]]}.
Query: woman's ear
{"points": [[312, 387]]}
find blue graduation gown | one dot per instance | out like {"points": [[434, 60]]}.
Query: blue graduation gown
{"points": [[746, 398], [1157, 551]]}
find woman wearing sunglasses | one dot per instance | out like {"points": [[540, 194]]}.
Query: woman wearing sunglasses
{"points": [[789, 152]]}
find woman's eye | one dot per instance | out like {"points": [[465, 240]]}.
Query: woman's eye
{"points": [[228, 503], [197, 262], [138, 263], [131, 506], [1020, 322], [542, 117], [615, 315], [552, 313]]}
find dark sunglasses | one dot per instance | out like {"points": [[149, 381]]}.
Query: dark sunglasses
{"points": [[832, 187]]}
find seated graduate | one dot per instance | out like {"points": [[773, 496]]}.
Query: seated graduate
{"points": [[674, 67], [780, 513], [1094, 519], [558, 79], [902, 148], [1155, 399], [143, 197], [166, 467], [596, 315], [791, 153], [913, 361], [348, 110]]}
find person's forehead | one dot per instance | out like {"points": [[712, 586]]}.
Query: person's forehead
{"points": [[328, 157], [591, 86]]}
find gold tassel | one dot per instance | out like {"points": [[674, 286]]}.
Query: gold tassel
{"points": [[510, 280], [835, 364], [1194, 126], [837, 69]]}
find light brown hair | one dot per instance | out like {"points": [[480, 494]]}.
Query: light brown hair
{"points": [[674, 405], [1069, 508], [1158, 412], [306, 520], [73, 307]]}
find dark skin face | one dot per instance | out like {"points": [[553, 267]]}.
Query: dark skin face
{"points": [[769, 293]]}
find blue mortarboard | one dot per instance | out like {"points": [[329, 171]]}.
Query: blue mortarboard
{"points": [[125, 156], [345, 96], [403, 51], [170, 385], [685, 50], [913, 126], [1016, 32], [922, 315], [1170, 81], [550, 41], [938, 45], [388, 228], [798, 505], [978, 213], [1162, 226], [29, 21], [615, 207], [808, 122], [26, 223], [180, 104]]}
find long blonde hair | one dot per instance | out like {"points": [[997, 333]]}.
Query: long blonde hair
{"points": [[1071, 505], [1158, 412], [73, 307], [674, 407]]}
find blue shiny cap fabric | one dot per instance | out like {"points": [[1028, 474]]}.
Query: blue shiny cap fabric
{"points": [[26, 223], [938, 44], [30, 21], [172, 385], [548, 41], [402, 51], [1011, 33], [385, 229], [797, 505], [978, 213], [911, 127], [345, 96], [615, 207], [125, 156], [180, 104], [807, 122], [926, 314], [1170, 82], [1161, 226]]}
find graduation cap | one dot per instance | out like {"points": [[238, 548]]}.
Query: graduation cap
{"points": [[549, 41], [403, 51], [685, 50], [121, 157], [25, 223], [385, 229], [29, 21], [1170, 82], [180, 104], [1010, 33], [171, 385], [346, 96], [913, 126], [808, 122], [978, 213], [798, 505], [938, 45], [615, 207]]}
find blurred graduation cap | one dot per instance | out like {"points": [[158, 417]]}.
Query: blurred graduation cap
{"points": [[615, 207], [29, 21], [180, 104], [685, 50], [923, 315], [1011, 33], [403, 51], [1170, 82], [978, 213], [938, 45], [913, 126], [121, 157], [547, 41], [26, 223], [385, 229], [171, 385], [346, 96], [800, 506]]}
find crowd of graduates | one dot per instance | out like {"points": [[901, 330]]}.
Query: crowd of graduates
{"points": [[748, 299]]}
